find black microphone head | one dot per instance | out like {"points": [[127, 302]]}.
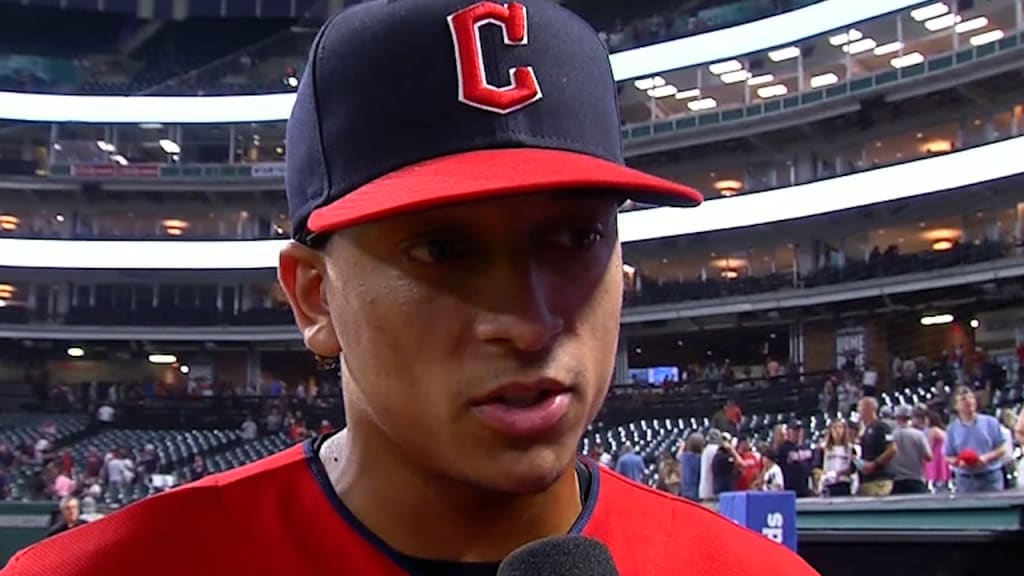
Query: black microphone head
{"points": [[561, 556]]}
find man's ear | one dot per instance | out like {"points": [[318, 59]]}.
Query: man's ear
{"points": [[301, 274]]}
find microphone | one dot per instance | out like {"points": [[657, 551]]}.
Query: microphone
{"points": [[560, 556]]}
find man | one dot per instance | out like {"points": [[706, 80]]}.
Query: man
{"points": [[725, 467], [453, 185], [796, 458], [630, 464], [912, 453], [706, 486], [69, 516], [877, 451], [974, 447]]}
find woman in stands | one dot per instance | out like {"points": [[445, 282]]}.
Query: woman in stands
{"points": [[837, 460], [936, 472], [668, 474]]}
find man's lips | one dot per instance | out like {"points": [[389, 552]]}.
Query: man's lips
{"points": [[524, 409], [521, 391]]}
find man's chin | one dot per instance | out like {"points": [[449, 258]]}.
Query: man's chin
{"points": [[524, 474]]}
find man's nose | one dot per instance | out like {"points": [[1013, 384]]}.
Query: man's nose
{"points": [[523, 311]]}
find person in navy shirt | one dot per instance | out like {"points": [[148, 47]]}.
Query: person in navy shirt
{"points": [[795, 457]]}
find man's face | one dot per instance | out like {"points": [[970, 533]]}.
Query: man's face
{"points": [[966, 405], [433, 311], [866, 410], [69, 510]]}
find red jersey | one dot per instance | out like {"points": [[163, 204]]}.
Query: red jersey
{"points": [[750, 465], [280, 516]]}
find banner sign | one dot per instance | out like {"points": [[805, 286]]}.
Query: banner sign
{"points": [[115, 171]]}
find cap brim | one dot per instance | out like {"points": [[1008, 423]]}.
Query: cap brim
{"points": [[493, 173]]}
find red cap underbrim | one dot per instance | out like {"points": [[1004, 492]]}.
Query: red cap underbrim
{"points": [[493, 173]]}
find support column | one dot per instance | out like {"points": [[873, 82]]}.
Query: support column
{"points": [[621, 374], [796, 343], [252, 372]]}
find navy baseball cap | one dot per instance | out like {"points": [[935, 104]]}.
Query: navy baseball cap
{"points": [[411, 104]]}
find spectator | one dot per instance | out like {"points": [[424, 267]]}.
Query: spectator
{"points": [[725, 467], [69, 516], [89, 513], [689, 467], [974, 447], [750, 464], [248, 430], [630, 464], [198, 468], [913, 452], [877, 451], [837, 461], [795, 458], [936, 471], [773, 479], [668, 474], [706, 489]]}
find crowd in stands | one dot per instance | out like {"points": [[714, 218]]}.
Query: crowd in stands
{"points": [[105, 53], [962, 432], [835, 268], [948, 424], [112, 460], [687, 19]]}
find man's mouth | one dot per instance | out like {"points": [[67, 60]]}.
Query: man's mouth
{"points": [[523, 394]]}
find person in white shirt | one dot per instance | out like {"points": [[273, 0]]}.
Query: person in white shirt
{"points": [[772, 479], [706, 489], [249, 429], [837, 460]]}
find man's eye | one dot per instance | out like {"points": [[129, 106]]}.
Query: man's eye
{"points": [[577, 238], [437, 251]]}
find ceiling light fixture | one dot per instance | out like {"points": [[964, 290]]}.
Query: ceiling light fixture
{"points": [[782, 54], [930, 11], [719, 68], [890, 48], [851, 35]]}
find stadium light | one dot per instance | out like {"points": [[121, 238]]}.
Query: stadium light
{"points": [[907, 60], [987, 37], [930, 11], [162, 359], [75, 352], [937, 320], [890, 48], [169, 146], [783, 54]]}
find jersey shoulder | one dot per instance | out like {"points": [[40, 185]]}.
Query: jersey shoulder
{"points": [[678, 532], [190, 529]]}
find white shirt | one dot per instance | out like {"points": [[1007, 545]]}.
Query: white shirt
{"points": [[838, 460], [706, 487], [773, 479], [105, 413], [116, 470], [249, 430]]}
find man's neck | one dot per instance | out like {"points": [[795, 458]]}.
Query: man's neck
{"points": [[969, 418], [425, 515]]}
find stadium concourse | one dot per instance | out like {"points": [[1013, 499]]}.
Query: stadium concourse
{"points": [[840, 319]]}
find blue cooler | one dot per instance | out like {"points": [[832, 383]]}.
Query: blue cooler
{"points": [[772, 514]]}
